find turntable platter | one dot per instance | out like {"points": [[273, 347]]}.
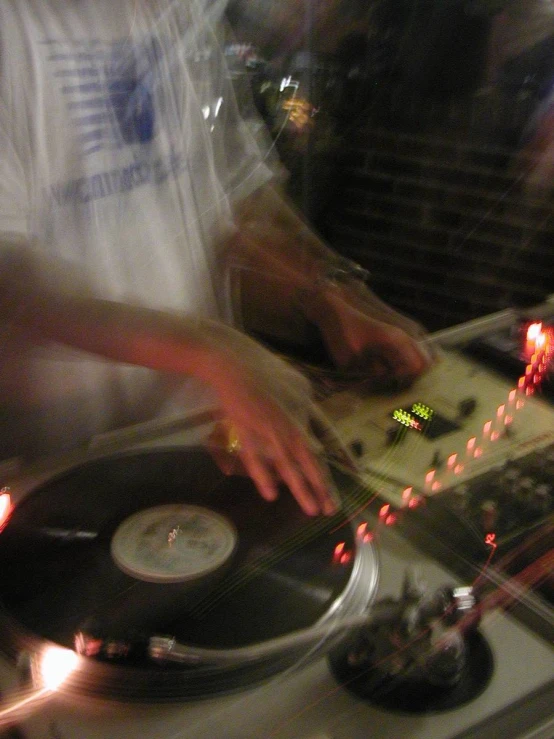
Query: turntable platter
{"points": [[125, 547]]}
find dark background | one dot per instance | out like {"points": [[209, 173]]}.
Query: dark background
{"points": [[411, 136]]}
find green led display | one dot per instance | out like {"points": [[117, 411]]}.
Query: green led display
{"points": [[422, 410]]}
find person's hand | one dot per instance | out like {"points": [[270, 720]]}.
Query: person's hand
{"points": [[269, 407], [365, 336]]}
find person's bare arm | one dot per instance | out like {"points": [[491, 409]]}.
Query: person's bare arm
{"points": [[286, 271], [265, 400]]}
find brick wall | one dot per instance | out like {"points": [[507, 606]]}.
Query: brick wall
{"points": [[440, 218]]}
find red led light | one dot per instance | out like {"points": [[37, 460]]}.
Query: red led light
{"points": [[345, 558], [521, 382], [471, 443], [458, 469], [406, 493], [368, 538], [390, 520], [384, 510], [361, 530], [415, 501], [512, 395], [452, 460], [502, 408], [429, 476], [495, 436], [490, 539], [487, 427], [478, 453], [436, 486], [508, 420], [5, 507]]}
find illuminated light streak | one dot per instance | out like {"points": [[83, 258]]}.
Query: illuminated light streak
{"points": [[430, 476], [495, 436], [19, 709], [478, 453], [512, 395], [436, 486], [458, 469], [487, 427], [508, 420], [391, 519], [521, 382], [452, 460], [471, 443], [502, 408], [6, 507], [368, 538]]}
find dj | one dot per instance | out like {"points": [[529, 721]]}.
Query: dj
{"points": [[129, 188]]}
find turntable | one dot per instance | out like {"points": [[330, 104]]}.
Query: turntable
{"points": [[216, 614], [123, 556]]}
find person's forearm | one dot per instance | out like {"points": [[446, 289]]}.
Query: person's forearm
{"points": [[31, 305]]}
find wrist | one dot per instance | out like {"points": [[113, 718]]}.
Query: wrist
{"points": [[338, 282]]}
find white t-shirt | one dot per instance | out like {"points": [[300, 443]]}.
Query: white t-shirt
{"points": [[121, 152]]}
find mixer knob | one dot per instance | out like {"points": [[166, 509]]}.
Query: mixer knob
{"points": [[461, 496], [466, 407], [489, 515], [357, 448], [542, 498], [511, 474]]}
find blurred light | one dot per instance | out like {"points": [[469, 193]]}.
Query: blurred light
{"points": [[452, 460], [384, 510], [534, 331], [5, 506], [406, 493], [56, 665]]}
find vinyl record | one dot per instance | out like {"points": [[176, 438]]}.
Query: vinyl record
{"points": [[119, 549]]}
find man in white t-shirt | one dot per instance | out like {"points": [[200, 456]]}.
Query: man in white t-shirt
{"points": [[127, 181]]}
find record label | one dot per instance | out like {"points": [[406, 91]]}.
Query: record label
{"points": [[173, 543]]}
